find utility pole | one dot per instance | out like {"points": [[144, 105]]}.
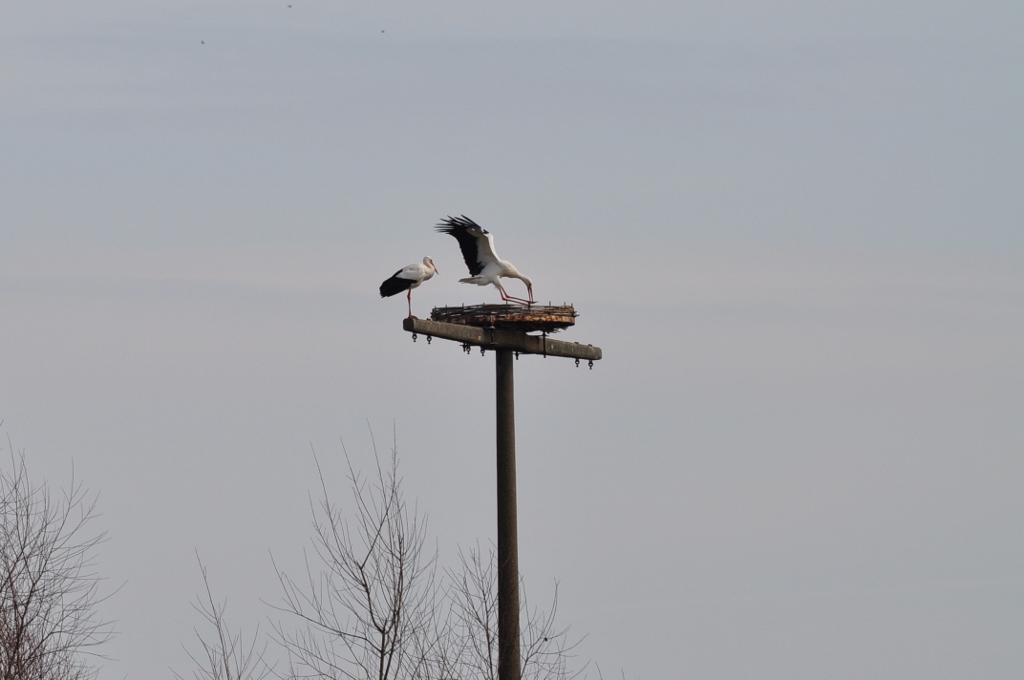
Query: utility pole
{"points": [[509, 667], [504, 330]]}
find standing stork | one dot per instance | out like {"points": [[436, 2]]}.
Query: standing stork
{"points": [[477, 247], [408, 278]]}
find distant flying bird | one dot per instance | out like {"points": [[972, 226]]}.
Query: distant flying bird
{"points": [[477, 246], [407, 278]]}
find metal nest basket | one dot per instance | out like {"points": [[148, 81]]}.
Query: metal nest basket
{"points": [[542, 318]]}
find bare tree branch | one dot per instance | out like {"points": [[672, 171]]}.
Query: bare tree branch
{"points": [[49, 588], [472, 595], [228, 656], [371, 606], [367, 602]]}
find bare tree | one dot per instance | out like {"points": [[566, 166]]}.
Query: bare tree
{"points": [[368, 600], [49, 589], [372, 607], [546, 650], [225, 655]]}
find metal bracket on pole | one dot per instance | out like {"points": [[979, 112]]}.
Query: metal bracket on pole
{"points": [[502, 338]]}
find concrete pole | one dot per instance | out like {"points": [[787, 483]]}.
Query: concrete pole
{"points": [[509, 665]]}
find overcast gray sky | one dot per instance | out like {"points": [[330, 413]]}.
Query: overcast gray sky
{"points": [[794, 228]]}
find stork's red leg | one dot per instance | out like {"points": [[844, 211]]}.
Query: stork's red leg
{"points": [[509, 298]]}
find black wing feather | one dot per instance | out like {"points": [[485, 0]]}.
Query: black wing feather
{"points": [[459, 228], [395, 285]]}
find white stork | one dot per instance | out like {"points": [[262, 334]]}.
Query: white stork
{"points": [[477, 246], [408, 278]]}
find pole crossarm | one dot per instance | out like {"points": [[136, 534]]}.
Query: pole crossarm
{"points": [[502, 338]]}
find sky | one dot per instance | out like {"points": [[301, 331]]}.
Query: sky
{"points": [[793, 228]]}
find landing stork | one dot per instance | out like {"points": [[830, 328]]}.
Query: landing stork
{"points": [[407, 278], [477, 247]]}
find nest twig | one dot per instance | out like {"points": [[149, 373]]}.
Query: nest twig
{"points": [[544, 318]]}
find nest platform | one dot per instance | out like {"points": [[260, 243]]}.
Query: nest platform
{"points": [[542, 318]]}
